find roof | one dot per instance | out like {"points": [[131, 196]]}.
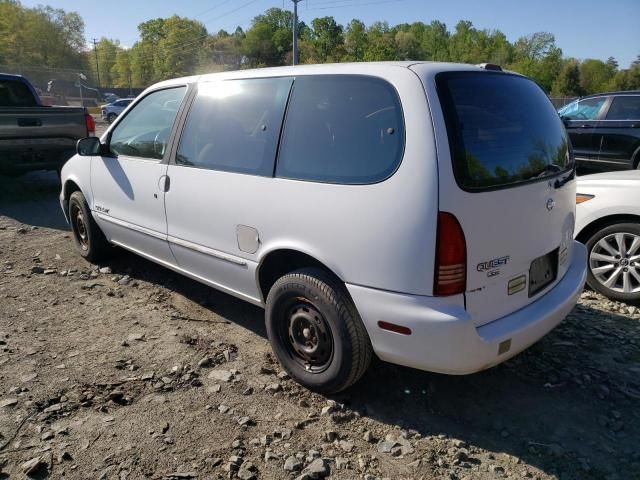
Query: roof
{"points": [[361, 67], [619, 92]]}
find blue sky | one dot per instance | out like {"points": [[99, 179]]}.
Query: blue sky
{"points": [[583, 28]]}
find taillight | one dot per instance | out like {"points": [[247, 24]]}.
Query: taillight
{"points": [[91, 125], [451, 257]]}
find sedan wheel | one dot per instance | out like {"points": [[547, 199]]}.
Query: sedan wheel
{"points": [[614, 261]]}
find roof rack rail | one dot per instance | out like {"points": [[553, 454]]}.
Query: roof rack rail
{"points": [[490, 66]]}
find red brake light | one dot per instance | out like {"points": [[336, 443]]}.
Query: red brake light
{"points": [[90, 123], [451, 257]]}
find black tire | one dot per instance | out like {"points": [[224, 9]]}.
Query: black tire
{"points": [[624, 262], [111, 117], [89, 239], [311, 297]]}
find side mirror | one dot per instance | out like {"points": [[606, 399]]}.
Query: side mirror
{"points": [[87, 147]]}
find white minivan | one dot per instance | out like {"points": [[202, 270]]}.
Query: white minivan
{"points": [[420, 211]]}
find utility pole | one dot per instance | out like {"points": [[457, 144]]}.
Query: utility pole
{"points": [[295, 31], [95, 50]]}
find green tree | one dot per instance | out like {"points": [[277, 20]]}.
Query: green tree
{"points": [[355, 41], [435, 42], [567, 84], [595, 75]]}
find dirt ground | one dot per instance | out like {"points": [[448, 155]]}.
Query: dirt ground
{"points": [[126, 370]]}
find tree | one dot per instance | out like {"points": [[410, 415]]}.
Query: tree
{"points": [[595, 75], [381, 43], [435, 42], [355, 41], [568, 82], [326, 40], [107, 52]]}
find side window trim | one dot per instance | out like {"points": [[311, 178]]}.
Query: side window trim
{"points": [[135, 102]]}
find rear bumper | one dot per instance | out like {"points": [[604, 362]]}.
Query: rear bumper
{"points": [[444, 338]]}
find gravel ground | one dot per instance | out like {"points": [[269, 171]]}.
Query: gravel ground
{"points": [[127, 370]]}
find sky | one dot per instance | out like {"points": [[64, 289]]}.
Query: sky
{"points": [[583, 28]]}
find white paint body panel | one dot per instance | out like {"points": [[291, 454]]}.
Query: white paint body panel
{"points": [[615, 193], [379, 239]]}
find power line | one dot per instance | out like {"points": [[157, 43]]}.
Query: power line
{"points": [[380, 2]]}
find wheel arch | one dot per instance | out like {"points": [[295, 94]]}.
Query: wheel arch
{"points": [[280, 261], [602, 222]]}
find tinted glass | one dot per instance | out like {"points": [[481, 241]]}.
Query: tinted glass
{"points": [[624, 108], [145, 131], [341, 129], [234, 126], [14, 93], [502, 129], [583, 109]]}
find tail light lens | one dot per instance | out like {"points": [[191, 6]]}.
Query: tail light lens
{"points": [[451, 257], [91, 125]]}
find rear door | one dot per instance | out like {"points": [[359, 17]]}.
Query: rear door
{"points": [[224, 160], [505, 172], [620, 132], [581, 119]]}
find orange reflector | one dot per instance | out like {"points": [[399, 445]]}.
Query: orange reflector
{"points": [[392, 327], [581, 197]]}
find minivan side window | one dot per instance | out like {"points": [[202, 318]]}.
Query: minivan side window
{"points": [[346, 129], [145, 131], [624, 108], [234, 125], [587, 109]]}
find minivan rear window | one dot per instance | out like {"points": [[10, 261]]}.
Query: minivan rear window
{"points": [[502, 130]]}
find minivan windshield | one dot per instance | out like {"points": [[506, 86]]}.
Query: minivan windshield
{"points": [[502, 130]]}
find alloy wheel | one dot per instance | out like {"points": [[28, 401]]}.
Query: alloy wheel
{"points": [[615, 262]]}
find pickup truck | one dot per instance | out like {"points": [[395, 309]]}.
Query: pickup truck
{"points": [[34, 136]]}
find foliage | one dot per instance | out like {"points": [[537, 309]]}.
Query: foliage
{"points": [[177, 46]]}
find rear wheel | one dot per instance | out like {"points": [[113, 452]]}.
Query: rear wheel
{"points": [[89, 239], [111, 117], [614, 261], [316, 332]]}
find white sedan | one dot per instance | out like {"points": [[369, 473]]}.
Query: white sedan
{"points": [[608, 223]]}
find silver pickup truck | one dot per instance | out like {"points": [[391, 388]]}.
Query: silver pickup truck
{"points": [[34, 136]]}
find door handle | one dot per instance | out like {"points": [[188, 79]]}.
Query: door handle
{"points": [[635, 125], [584, 125], [164, 183]]}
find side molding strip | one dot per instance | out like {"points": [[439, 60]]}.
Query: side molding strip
{"points": [[207, 251]]}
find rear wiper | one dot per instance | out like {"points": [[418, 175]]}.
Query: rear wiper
{"points": [[559, 183], [549, 169]]}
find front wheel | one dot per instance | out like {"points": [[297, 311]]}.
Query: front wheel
{"points": [[89, 239], [614, 261], [111, 117], [316, 332]]}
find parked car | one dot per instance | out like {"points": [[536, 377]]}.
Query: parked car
{"points": [[605, 130], [111, 111], [34, 136], [608, 223], [396, 208]]}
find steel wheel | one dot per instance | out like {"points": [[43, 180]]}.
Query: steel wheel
{"points": [[308, 336], [614, 262], [80, 227]]}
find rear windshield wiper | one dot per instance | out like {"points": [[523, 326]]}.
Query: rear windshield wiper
{"points": [[548, 169], [559, 183]]}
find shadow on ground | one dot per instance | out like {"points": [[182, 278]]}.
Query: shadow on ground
{"points": [[557, 406], [32, 199]]}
